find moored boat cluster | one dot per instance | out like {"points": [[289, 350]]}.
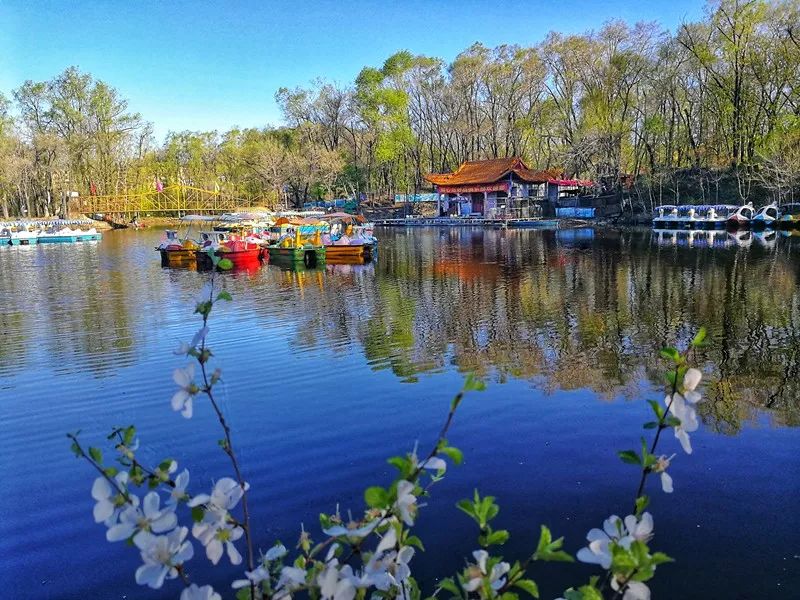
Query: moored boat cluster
{"points": [[27, 233], [289, 238], [731, 216]]}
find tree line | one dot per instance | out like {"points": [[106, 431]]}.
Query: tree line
{"points": [[708, 112]]}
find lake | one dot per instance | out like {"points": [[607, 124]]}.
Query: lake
{"points": [[329, 372]]}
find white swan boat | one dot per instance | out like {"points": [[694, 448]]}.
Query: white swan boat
{"points": [[766, 216], [741, 217]]}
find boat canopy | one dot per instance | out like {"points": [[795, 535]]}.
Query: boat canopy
{"points": [[344, 217], [200, 218], [45, 223]]}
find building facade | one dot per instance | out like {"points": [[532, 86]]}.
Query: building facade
{"points": [[500, 187]]}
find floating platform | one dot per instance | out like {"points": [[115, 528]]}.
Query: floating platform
{"points": [[470, 222]]}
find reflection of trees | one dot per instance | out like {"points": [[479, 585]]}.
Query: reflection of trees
{"points": [[505, 304], [69, 306], [521, 304]]}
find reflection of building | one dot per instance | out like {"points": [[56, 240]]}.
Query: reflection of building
{"points": [[490, 188]]}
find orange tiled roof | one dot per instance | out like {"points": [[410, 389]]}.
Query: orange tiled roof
{"points": [[489, 171]]}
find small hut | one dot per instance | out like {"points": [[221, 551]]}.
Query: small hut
{"points": [[491, 188]]}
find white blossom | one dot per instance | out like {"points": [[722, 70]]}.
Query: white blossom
{"points": [[274, 553], [478, 572], [218, 536], [433, 463], [335, 583], [661, 466], [182, 399], [352, 529], [634, 590], [215, 531], [261, 573], [161, 555], [640, 529], [108, 501], [254, 577], [682, 407], [178, 493], [225, 496], [150, 518], [193, 592], [598, 551], [406, 502], [183, 349], [291, 578], [616, 530]]}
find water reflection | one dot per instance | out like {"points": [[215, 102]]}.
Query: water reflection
{"points": [[565, 309]]}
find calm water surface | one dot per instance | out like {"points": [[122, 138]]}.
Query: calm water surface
{"points": [[329, 372]]}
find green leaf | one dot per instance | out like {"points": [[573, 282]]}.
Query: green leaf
{"points": [[197, 513], [473, 384], [467, 507], [670, 377], [671, 354], [243, 594], [453, 454], [456, 401], [699, 337], [650, 425], [658, 410], [76, 450], [642, 502], [413, 540], [629, 456], [450, 585], [529, 586], [498, 537], [110, 471], [402, 464], [586, 592], [376, 497], [550, 550], [224, 295], [659, 558], [96, 454], [128, 435]]}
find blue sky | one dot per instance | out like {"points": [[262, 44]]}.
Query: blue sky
{"points": [[214, 64]]}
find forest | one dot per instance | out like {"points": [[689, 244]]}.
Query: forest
{"points": [[709, 112]]}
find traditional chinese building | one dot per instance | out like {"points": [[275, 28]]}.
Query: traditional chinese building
{"points": [[486, 187]]}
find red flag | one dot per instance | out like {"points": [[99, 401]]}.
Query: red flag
{"points": [[92, 189]]}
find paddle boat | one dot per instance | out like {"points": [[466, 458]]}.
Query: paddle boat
{"points": [[54, 235], [665, 216], [715, 216], [790, 215], [741, 217], [19, 236], [767, 216], [240, 252], [177, 252], [347, 241], [295, 248]]}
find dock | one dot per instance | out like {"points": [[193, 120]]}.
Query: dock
{"points": [[470, 222]]}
